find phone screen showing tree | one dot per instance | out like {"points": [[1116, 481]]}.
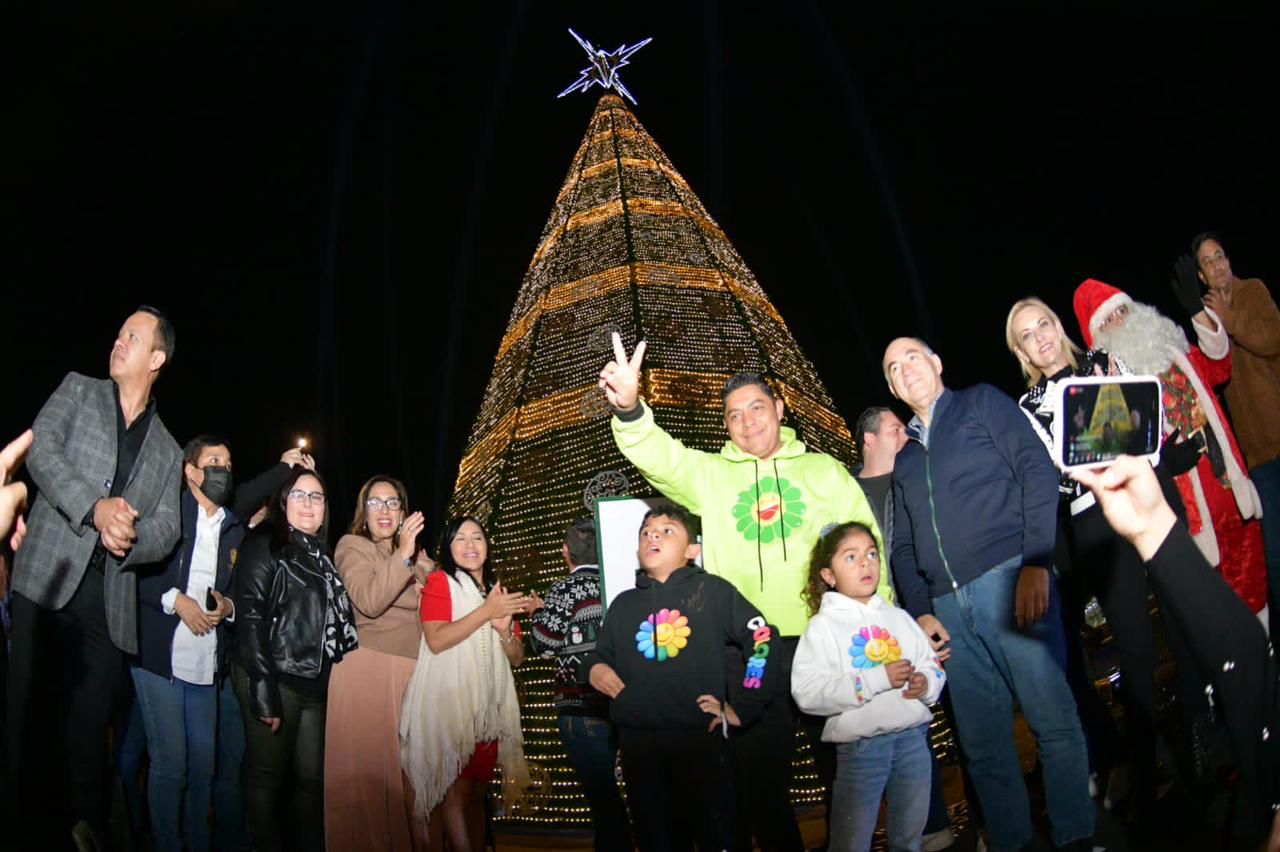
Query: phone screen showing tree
{"points": [[1110, 419]]}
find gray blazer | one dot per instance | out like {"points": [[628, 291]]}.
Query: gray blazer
{"points": [[72, 462]]}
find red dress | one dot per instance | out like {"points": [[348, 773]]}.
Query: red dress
{"points": [[437, 605]]}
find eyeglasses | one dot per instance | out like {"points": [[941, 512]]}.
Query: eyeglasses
{"points": [[1115, 317], [299, 496], [391, 504]]}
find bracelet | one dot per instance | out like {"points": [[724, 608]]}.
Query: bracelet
{"points": [[408, 563], [504, 639]]}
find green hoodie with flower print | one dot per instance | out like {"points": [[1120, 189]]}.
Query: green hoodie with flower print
{"points": [[760, 518]]}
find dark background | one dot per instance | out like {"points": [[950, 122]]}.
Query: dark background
{"points": [[337, 207]]}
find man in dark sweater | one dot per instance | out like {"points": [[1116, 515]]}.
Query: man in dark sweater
{"points": [[975, 500], [566, 628], [880, 435], [661, 658]]}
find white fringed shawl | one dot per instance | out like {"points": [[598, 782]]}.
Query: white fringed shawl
{"points": [[456, 699]]}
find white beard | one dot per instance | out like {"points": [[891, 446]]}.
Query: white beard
{"points": [[1146, 342]]}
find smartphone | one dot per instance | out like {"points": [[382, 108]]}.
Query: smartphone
{"points": [[210, 602], [1101, 417]]}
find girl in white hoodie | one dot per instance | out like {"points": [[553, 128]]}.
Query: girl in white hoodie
{"points": [[867, 666]]}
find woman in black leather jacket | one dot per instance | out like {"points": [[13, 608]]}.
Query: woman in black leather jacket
{"points": [[294, 623]]}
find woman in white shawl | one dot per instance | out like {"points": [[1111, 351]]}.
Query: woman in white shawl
{"points": [[460, 717]]}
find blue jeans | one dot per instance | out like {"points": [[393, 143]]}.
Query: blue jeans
{"points": [[230, 833], [1266, 478], [993, 664], [896, 766], [592, 747], [180, 719]]}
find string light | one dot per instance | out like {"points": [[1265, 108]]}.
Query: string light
{"points": [[628, 247]]}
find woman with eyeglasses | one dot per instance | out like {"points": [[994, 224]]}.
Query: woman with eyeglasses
{"points": [[368, 802], [294, 624], [461, 717]]}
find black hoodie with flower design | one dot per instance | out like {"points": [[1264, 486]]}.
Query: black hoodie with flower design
{"points": [[667, 643]]}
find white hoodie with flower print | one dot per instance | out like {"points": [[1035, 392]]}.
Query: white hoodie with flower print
{"points": [[839, 669]]}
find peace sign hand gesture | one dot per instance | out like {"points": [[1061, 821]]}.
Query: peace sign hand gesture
{"points": [[620, 378]]}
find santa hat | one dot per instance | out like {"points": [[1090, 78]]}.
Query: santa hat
{"points": [[1094, 302]]}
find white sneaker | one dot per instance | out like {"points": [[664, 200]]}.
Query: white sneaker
{"points": [[936, 840]]}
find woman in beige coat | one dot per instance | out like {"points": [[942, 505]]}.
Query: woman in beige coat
{"points": [[368, 802]]}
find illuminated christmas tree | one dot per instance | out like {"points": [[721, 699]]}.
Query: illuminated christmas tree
{"points": [[629, 248]]}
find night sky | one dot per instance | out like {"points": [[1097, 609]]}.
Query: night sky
{"points": [[337, 209]]}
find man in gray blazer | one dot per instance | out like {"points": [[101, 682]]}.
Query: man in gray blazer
{"points": [[108, 475]]}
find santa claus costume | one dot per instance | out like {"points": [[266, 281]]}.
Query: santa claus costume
{"points": [[1221, 505]]}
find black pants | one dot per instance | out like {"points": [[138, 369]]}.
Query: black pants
{"points": [[679, 789], [64, 675], [1103, 563], [764, 754], [288, 763]]}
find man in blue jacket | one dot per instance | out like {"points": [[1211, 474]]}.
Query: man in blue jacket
{"points": [[975, 499]]}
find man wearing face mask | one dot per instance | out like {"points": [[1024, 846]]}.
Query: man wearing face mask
{"points": [[179, 675]]}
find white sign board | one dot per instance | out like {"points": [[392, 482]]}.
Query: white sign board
{"points": [[618, 522]]}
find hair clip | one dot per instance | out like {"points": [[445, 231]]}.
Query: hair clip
{"points": [[828, 528]]}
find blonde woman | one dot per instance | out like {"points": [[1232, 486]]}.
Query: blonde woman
{"points": [[1092, 560]]}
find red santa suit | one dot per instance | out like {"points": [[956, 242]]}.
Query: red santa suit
{"points": [[1221, 510]]}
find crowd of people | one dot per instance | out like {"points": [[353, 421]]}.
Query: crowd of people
{"points": [[290, 694]]}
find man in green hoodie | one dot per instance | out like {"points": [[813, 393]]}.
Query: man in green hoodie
{"points": [[763, 500]]}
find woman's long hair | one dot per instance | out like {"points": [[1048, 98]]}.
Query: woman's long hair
{"points": [[278, 513], [360, 523], [444, 557], [1029, 371]]}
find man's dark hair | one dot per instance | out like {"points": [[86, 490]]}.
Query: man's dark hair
{"points": [[741, 380], [191, 452], [166, 337], [1200, 239], [580, 538], [682, 516], [868, 421]]}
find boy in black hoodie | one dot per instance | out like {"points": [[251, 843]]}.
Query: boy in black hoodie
{"points": [[661, 658]]}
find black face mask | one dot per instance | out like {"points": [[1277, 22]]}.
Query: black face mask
{"points": [[217, 484]]}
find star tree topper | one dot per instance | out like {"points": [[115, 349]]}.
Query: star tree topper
{"points": [[604, 67]]}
